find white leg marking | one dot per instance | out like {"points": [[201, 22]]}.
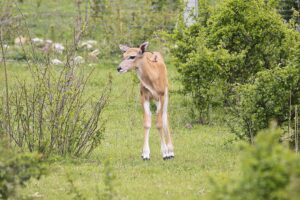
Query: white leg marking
{"points": [[164, 150], [148, 113], [146, 149], [147, 125], [170, 150]]}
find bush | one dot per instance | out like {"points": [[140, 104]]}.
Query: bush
{"points": [[272, 95], [269, 171], [16, 169], [286, 8], [253, 33], [228, 46], [52, 114]]}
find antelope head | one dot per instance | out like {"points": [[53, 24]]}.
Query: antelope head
{"points": [[132, 57]]}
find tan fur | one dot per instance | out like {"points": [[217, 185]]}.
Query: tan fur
{"points": [[152, 73], [20, 40]]}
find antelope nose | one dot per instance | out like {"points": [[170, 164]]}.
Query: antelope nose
{"points": [[119, 69]]}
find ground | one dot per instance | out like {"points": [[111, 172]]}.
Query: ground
{"points": [[202, 153]]}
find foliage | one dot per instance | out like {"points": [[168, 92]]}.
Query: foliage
{"points": [[267, 98], [16, 169], [200, 76], [269, 171], [253, 33], [6, 16], [271, 94], [138, 23], [160, 5], [287, 7], [51, 115], [99, 8], [110, 23], [228, 46]]}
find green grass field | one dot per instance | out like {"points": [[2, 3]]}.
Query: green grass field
{"points": [[202, 152]]}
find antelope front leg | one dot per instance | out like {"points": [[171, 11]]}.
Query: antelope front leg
{"points": [[147, 126]]}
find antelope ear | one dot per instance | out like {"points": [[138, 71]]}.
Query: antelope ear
{"points": [[144, 46], [123, 48]]}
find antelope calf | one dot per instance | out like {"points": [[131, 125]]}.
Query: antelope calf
{"points": [[152, 73]]}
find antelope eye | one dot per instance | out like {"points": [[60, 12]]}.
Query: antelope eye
{"points": [[131, 57]]}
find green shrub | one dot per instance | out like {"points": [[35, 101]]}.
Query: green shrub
{"points": [[269, 171], [268, 98], [271, 94], [253, 33], [228, 46], [52, 113], [16, 169], [286, 8]]}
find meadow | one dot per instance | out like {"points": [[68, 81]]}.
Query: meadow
{"points": [[202, 153]]}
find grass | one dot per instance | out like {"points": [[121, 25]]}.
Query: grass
{"points": [[201, 152]]}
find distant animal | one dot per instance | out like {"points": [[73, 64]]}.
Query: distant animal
{"points": [[89, 44], [152, 73], [59, 48], [77, 60], [56, 62], [39, 42], [20, 40], [93, 56], [47, 47]]}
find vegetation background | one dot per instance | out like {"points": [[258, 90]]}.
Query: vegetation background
{"points": [[73, 130]]}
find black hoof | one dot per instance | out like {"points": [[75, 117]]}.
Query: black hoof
{"points": [[145, 158], [168, 158]]}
